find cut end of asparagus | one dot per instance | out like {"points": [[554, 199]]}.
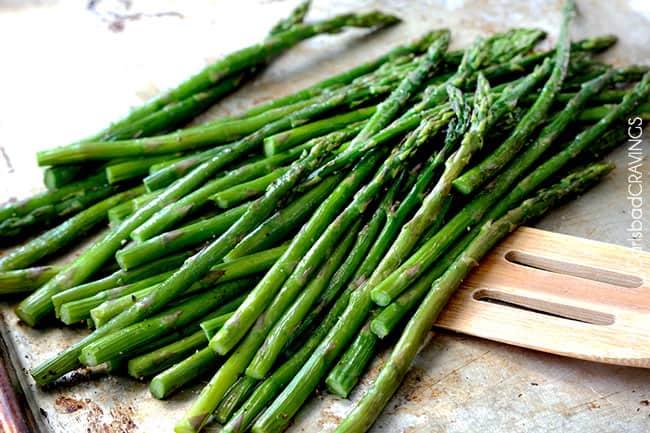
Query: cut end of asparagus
{"points": [[379, 329], [88, 358], [335, 388], [65, 315], [380, 298], [26, 316], [158, 389]]}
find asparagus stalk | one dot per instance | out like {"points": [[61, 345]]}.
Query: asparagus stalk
{"points": [[272, 386], [390, 316], [270, 349], [212, 394], [187, 236], [211, 326], [474, 211], [388, 109], [79, 309], [327, 102], [232, 63], [134, 168], [233, 330], [402, 356], [243, 192], [177, 113], [26, 280], [243, 267], [283, 222], [237, 394], [192, 367], [312, 371], [118, 213], [23, 207], [58, 237], [297, 16], [486, 169], [431, 208], [130, 337], [117, 278], [192, 270], [164, 357], [345, 374], [343, 275], [287, 139], [38, 304]]}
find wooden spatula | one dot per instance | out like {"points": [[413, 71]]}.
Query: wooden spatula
{"points": [[559, 294]]}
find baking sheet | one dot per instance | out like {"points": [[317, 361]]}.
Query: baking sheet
{"points": [[69, 68]]}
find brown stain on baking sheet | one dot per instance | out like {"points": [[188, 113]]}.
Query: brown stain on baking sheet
{"points": [[67, 404], [118, 420]]}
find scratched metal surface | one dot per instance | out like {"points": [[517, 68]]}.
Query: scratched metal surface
{"points": [[68, 70]]}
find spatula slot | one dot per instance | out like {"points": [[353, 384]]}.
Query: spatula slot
{"points": [[573, 269], [544, 307]]}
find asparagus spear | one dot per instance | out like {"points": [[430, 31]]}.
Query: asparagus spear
{"points": [[58, 237], [260, 53], [234, 330], [365, 239], [366, 412], [237, 394], [274, 384], [345, 374], [118, 213], [26, 280], [193, 269], [287, 139], [166, 176], [154, 362], [164, 357], [243, 267], [212, 394], [243, 192], [170, 380], [281, 224], [266, 354], [432, 205], [474, 211], [211, 326], [127, 338], [486, 169], [297, 16], [134, 168], [232, 63], [180, 209], [119, 277], [176, 240], [328, 350], [38, 304], [388, 109], [77, 190], [75, 311], [155, 225]]}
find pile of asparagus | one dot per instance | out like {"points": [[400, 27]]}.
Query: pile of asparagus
{"points": [[281, 248]]}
